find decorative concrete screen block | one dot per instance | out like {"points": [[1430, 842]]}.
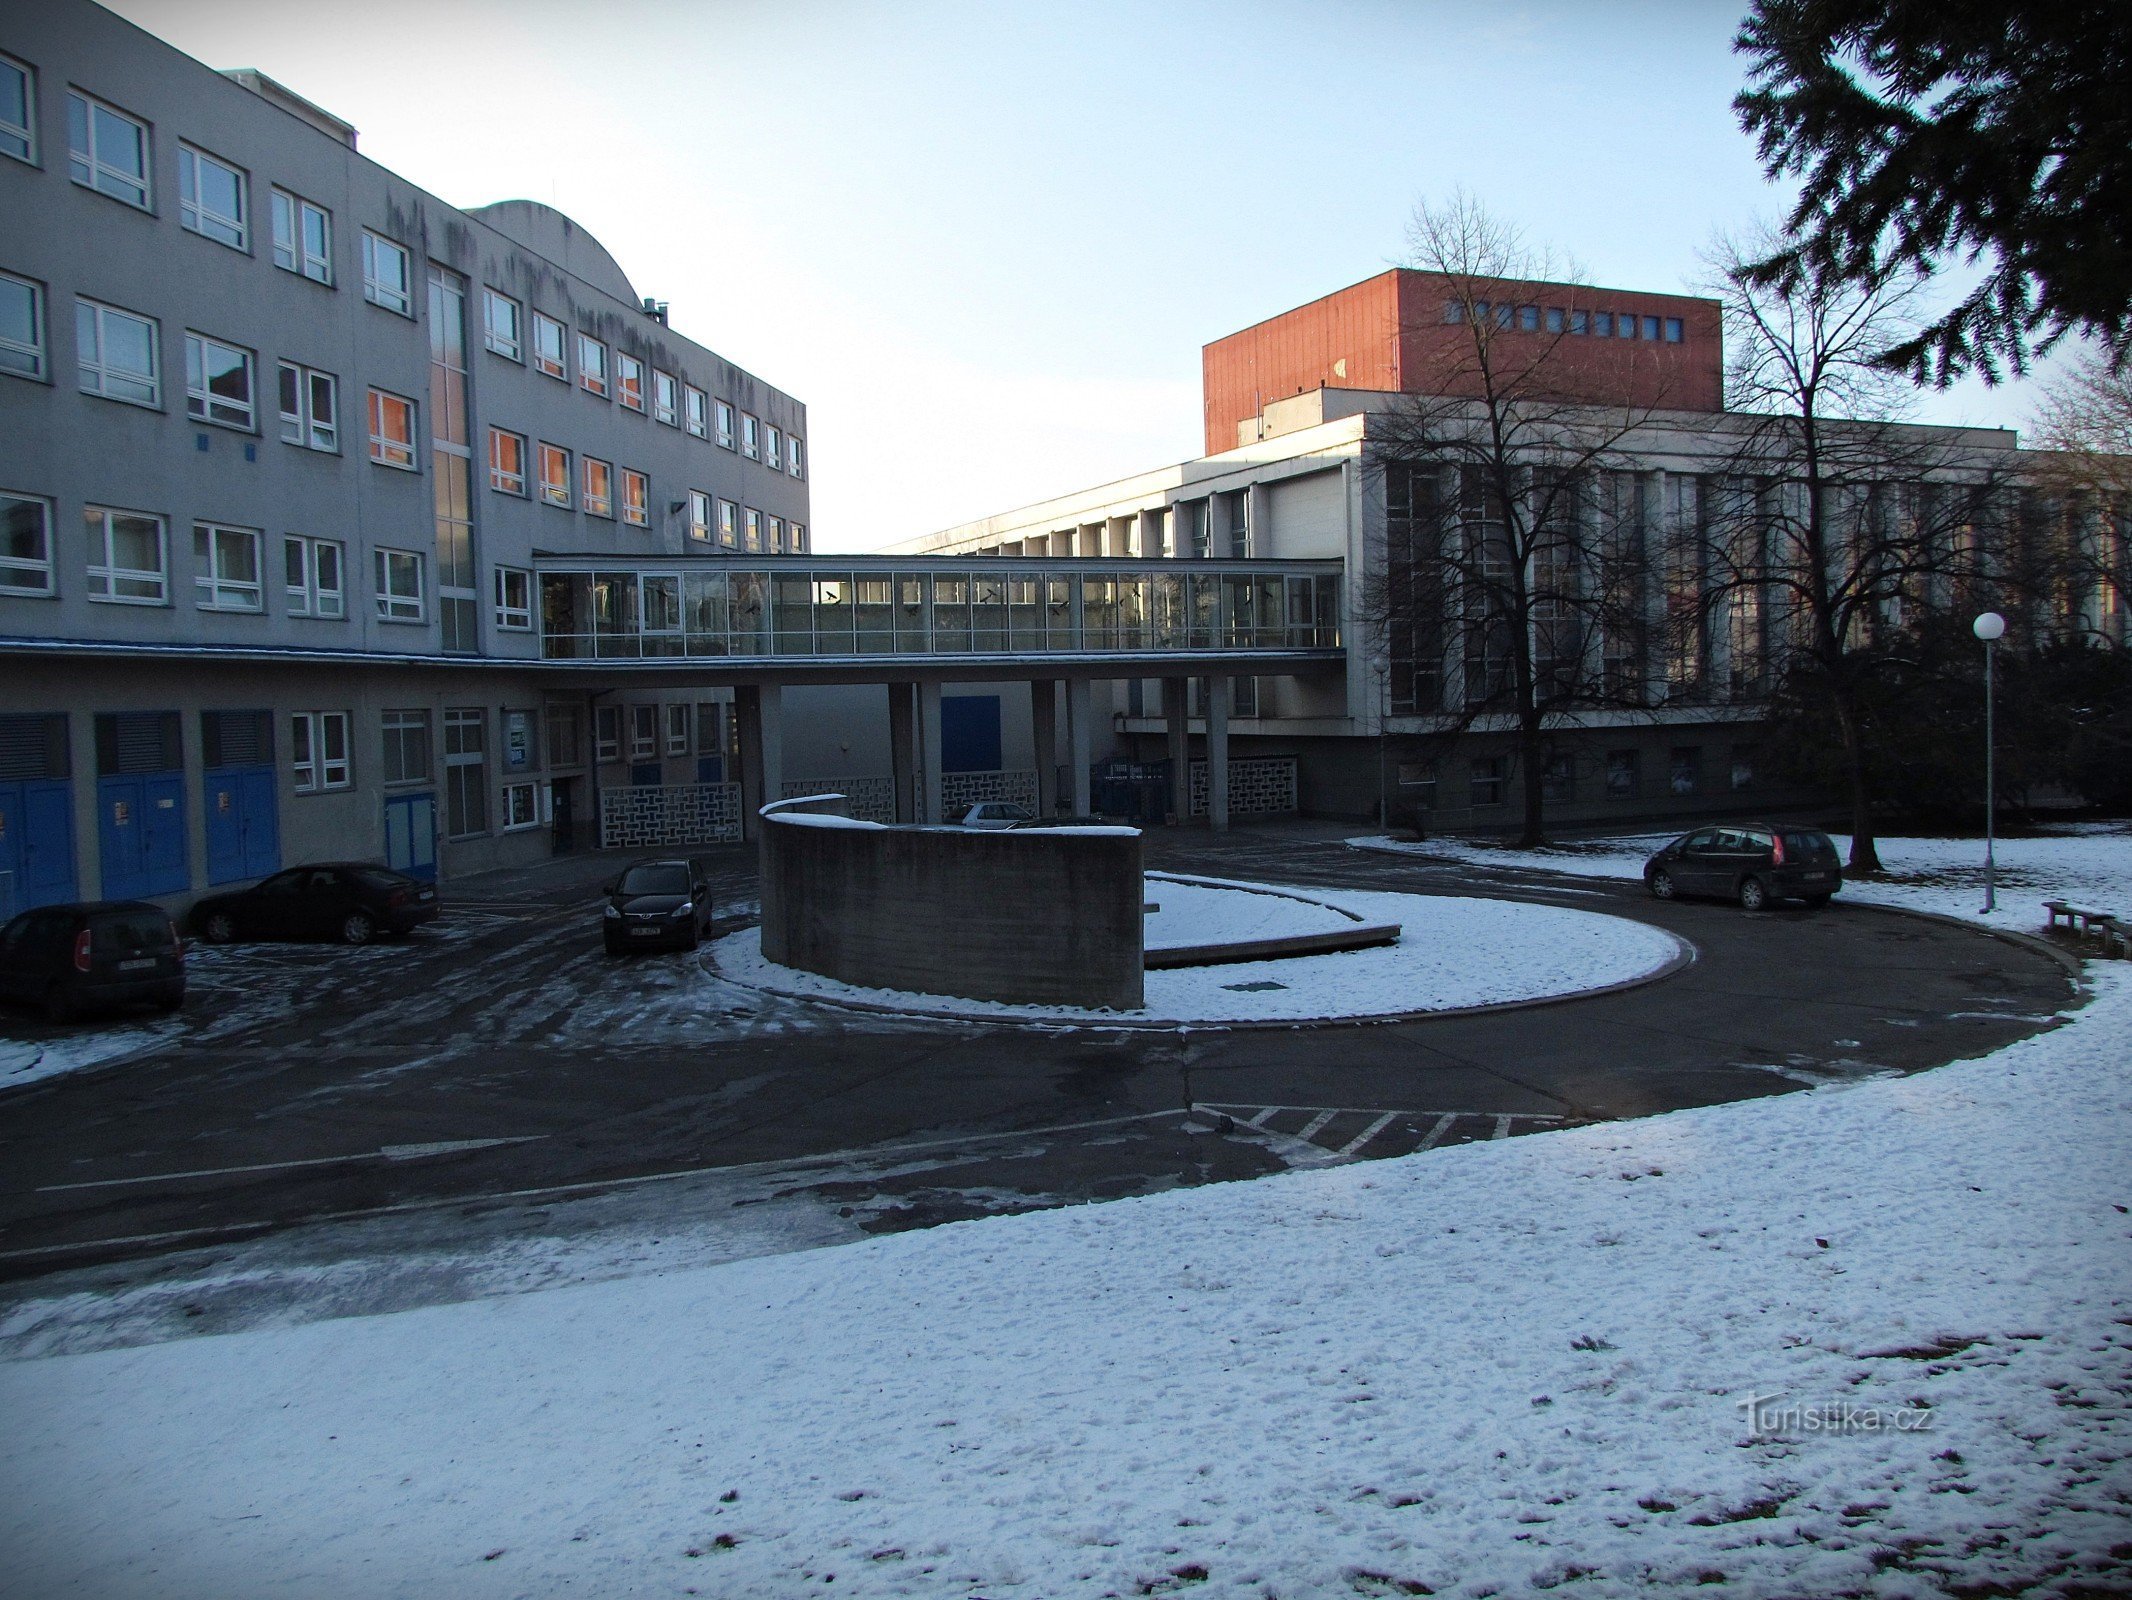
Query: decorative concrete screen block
{"points": [[873, 799], [658, 815], [1264, 786], [961, 790], [1048, 916]]}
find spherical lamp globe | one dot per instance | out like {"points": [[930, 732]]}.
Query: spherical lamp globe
{"points": [[1990, 626]]}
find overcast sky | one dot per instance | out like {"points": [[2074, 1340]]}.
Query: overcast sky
{"points": [[985, 242]]}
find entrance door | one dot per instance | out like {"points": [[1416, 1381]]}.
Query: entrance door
{"points": [[36, 844], [243, 824], [411, 835], [141, 828]]}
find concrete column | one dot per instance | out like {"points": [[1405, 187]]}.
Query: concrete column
{"points": [[902, 756], [1258, 516], [1218, 751], [1044, 735], [929, 754], [1147, 534], [1080, 739], [759, 710], [1177, 735]]}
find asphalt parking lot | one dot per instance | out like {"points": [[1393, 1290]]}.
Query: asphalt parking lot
{"points": [[498, 1077]]}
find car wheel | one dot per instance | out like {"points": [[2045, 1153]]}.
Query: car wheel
{"points": [[1661, 884], [58, 1005], [218, 927], [358, 928], [1754, 895]]}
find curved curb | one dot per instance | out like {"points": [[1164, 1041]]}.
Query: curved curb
{"points": [[2075, 968]]}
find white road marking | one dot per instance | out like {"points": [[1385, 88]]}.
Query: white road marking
{"points": [[415, 1152], [1367, 1134], [1502, 1128], [1311, 1127], [390, 1152], [1443, 1126]]}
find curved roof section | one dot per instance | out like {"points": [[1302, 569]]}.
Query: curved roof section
{"points": [[547, 232]]}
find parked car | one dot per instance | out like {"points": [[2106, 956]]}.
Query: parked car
{"points": [[997, 814], [661, 902], [352, 901], [99, 956], [1753, 863]]}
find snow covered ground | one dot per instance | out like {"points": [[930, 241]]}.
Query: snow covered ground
{"points": [[1453, 953], [1196, 911]]}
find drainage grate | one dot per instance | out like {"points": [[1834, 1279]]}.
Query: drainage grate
{"points": [[1254, 988]]}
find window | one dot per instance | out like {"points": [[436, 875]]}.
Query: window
{"points": [[795, 538], [227, 563], [1484, 782], [599, 487], [507, 462], [107, 150], [1742, 765], [564, 734], [392, 430], [1674, 330], [793, 463], [629, 381], [636, 498], [303, 237], [697, 410], [773, 450], [677, 719], [699, 514], [388, 276], [1554, 319], [514, 598], [591, 365], [777, 535], [399, 584], [643, 733], [18, 111], [218, 382], [1650, 327], [406, 746], [1528, 319], [728, 524], [1418, 778], [1558, 780], [725, 425], [548, 347], [126, 557], [311, 572], [750, 437], [25, 537], [499, 324], [555, 475], [212, 199], [117, 351], [665, 399], [751, 521], [22, 327], [1602, 324], [1685, 769], [310, 407], [521, 808], [1580, 323], [1621, 774], [318, 746], [607, 734]]}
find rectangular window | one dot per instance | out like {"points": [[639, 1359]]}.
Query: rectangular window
{"points": [[507, 462], [564, 734], [318, 745], [1650, 328], [750, 437], [212, 199], [22, 336], [677, 730], [399, 585], [555, 475], [1484, 783], [406, 746], [311, 572], [18, 111], [629, 381], [643, 733], [499, 324], [117, 352], [607, 733], [599, 487], [793, 462], [1528, 319], [725, 425], [521, 807], [226, 568], [303, 237], [218, 382], [729, 524], [1622, 774], [25, 544], [1602, 324], [696, 410], [548, 347], [466, 800], [636, 498], [392, 430], [514, 599], [795, 538], [1742, 767], [1554, 319], [1674, 331], [699, 514], [777, 536], [127, 557], [1580, 323], [591, 365], [773, 450], [1685, 769], [310, 407], [388, 275], [107, 150], [1558, 780], [751, 523], [665, 398]]}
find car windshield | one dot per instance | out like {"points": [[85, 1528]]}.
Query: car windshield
{"points": [[661, 878], [129, 930]]}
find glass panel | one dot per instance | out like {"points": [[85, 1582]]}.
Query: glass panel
{"points": [[795, 615], [750, 609], [988, 616], [833, 619], [874, 620], [912, 629], [703, 612], [951, 613]]}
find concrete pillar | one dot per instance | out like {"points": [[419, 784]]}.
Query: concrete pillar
{"points": [[929, 754], [1044, 735], [88, 797], [1258, 520], [759, 709], [1080, 739], [902, 754], [1177, 737], [1218, 751]]}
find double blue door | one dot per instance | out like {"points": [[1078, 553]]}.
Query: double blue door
{"points": [[36, 844], [243, 823], [411, 835], [141, 832]]}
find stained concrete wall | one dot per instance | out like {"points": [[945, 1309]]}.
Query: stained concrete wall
{"points": [[922, 909]]}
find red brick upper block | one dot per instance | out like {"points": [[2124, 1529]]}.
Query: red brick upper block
{"points": [[1398, 332]]}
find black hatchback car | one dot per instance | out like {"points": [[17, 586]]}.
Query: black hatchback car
{"points": [[659, 903], [352, 901], [1753, 863], [92, 957]]}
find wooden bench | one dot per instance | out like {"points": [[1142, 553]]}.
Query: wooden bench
{"points": [[2113, 933]]}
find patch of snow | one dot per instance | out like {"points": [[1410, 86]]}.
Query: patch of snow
{"points": [[1206, 912], [822, 819], [27, 1060]]}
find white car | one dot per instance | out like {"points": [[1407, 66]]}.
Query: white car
{"points": [[996, 814]]}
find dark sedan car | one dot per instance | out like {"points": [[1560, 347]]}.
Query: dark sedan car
{"points": [[1753, 863], [660, 903], [76, 958], [352, 901]]}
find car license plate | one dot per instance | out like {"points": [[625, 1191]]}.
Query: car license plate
{"points": [[427, 894], [1816, 877], [643, 933], [137, 966]]}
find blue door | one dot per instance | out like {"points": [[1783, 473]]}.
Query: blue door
{"points": [[243, 823], [411, 835], [141, 828], [36, 844]]}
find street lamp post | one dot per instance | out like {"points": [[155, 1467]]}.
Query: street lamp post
{"points": [[1989, 627]]}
